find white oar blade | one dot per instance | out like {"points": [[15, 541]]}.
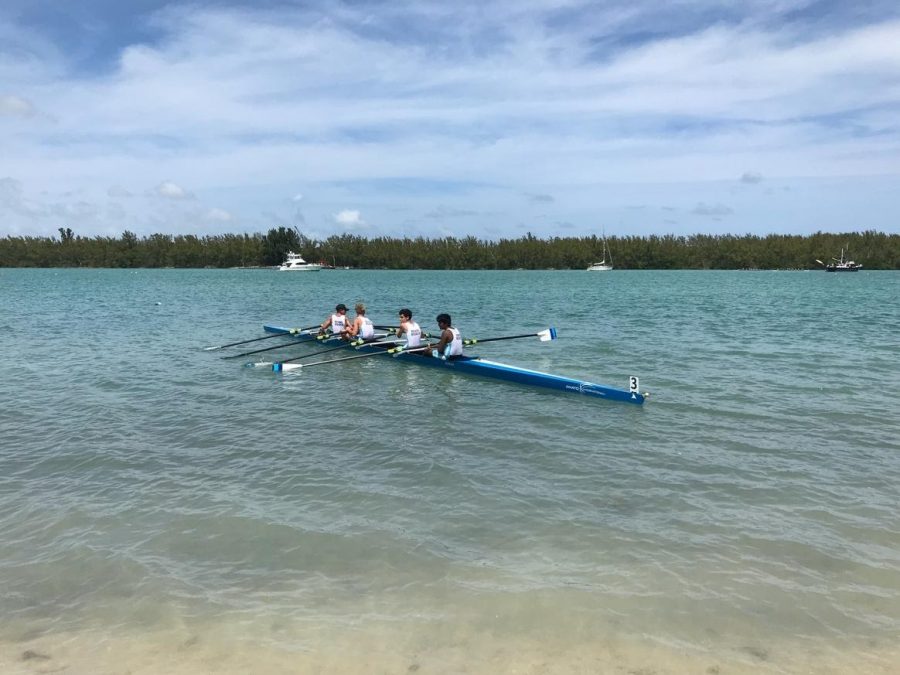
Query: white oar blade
{"points": [[258, 364], [286, 367], [547, 335]]}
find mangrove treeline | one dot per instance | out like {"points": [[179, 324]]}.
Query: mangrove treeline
{"points": [[875, 250]]}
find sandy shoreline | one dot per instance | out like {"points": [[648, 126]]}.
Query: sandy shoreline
{"points": [[392, 648]]}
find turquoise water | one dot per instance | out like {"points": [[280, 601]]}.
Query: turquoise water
{"points": [[164, 510]]}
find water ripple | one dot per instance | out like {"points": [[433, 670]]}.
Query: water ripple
{"points": [[142, 478]]}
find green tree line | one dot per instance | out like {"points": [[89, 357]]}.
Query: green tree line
{"points": [[875, 250]]}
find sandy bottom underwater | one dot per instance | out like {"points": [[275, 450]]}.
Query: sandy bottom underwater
{"points": [[396, 648]]}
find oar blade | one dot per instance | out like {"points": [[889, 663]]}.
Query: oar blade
{"points": [[285, 367], [547, 335]]}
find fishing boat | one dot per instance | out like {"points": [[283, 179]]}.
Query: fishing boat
{"points": [[841, 264], [295, 263], [603, 265], [475, 365]]}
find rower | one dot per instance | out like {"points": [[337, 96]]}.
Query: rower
{"points": [[362, 325], [409, 328], [450, 346], [337, 322]]}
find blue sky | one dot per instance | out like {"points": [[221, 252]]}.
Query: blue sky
{"points": [[558, 117]]}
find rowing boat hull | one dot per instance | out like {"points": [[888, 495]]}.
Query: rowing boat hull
{"points": [[473, 365]]}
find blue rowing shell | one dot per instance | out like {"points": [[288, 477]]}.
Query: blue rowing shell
{"points": [[474, 365]]}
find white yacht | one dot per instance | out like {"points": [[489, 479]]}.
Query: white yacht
{"points": [[295, 263]]}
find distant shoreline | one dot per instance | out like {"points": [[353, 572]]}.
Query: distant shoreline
{"points": [[874, 250], [427, 269]]}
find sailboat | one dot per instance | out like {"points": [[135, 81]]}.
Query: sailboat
{"points": [[603, 265]]}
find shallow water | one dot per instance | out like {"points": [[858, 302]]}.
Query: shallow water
{"points": [[164, 510]]}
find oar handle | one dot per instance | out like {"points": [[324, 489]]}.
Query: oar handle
{"points": [[392, 330], [401, 350]]}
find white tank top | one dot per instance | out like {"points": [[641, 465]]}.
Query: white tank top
{"points": [[413, 334], [367, 329], [455, 346], [338, 323]]}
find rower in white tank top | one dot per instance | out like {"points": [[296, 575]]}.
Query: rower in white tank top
{"points": [[456, 344], [410, 329], [451, 343], [367, 328], [337, 322], [362, 326]]}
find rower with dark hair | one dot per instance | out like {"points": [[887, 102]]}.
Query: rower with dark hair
{"points": [[450, 345], [409, 328], [337, 322]]}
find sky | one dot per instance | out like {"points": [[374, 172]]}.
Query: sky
{"points": [[418, 118]]}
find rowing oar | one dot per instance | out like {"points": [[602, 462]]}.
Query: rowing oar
{"points": [[285, 367], [544, 336], [268, 349], [292, 331], [355, 343]]}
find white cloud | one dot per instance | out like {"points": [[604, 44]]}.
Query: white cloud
{"points": [[15, 106], [481, 109], [219, 215], [170, 190], [349, 218]]}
